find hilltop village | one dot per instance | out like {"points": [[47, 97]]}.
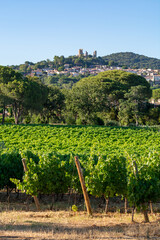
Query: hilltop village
{"points": [[151, 75]]}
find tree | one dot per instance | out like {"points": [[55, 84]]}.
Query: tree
{"points": [[156, 94], [101, 93], [58, 61], [86, 98], [25, 93], [61, 68], [134, 104], [3, 103], [111, 63], [53, 105], [79, 61], [7, 76], [35, 94]]}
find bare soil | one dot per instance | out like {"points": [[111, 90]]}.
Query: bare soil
{"points": [[20, 220]]}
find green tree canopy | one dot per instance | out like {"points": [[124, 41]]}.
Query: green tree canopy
{"points": [[133, 107], [7, 76], [53, 105], [24, 93], [156, 94], [102, 92]]}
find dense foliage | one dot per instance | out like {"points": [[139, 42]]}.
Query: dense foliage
{"points": [[27, 95], [115, 161], [132, 60], [10, 167], [59, 62], [79, 139], [61, 81], [156, 94], [127, 59], [92, 99], [113, 95], [107, 154]]}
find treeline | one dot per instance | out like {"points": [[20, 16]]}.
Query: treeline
{"points": [[59, 62], [122, 59], [61, 81], [112, 97], [132, 60]]}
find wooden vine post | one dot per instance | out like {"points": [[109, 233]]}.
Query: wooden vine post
{"points": [[125, 205], [35, 198], [85, 194]]}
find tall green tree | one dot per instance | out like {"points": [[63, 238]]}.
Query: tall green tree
{"points": [[103, 92], [86, 98], [54, 104], [7, 76], [134, 105], [24, 94]]}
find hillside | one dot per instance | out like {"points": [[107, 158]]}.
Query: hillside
{"points": [[132, 60], [122, 59]]}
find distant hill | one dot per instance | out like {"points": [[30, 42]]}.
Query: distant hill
{"points": [[122, 59], [132, 60]]}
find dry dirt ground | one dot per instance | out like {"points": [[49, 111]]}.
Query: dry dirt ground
{"points": [[20, 221], [32, 225]]}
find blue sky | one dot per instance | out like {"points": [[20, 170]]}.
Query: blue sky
{"points": [[35, 30]]}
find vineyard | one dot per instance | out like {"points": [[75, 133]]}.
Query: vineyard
{"points": [[115, 161]]}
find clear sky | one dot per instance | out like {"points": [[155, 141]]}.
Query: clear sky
{"points": [[35, 30]]}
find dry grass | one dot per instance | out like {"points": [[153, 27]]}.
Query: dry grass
{"points": [[67, 225]]}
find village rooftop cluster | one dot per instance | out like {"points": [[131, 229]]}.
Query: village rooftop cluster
{"points": [[152, 76]]}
